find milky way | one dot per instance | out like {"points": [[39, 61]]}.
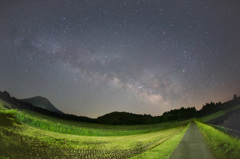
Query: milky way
{"points": [[93, 57]]}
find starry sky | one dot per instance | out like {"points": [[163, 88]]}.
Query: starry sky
{"points": [[91, 57]]}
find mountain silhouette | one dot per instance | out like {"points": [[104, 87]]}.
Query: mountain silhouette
{"points": [[42, 102], [118, 118]]}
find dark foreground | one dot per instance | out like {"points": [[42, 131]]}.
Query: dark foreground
{"points": [[229, 120]]}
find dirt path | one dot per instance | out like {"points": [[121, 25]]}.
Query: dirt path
{"points": [[192, 146]]}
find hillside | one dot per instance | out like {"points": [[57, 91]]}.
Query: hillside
{"points": [[229, 120], [118, 118], [42, 103]]}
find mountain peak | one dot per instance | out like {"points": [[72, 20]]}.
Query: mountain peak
{"points": [[42, 102]]}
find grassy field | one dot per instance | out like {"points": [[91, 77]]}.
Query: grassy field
{"points": [[25, 134], [164, 150], [89, 129], [22, 141], [222, 145]]}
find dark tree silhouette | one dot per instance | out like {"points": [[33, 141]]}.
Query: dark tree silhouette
{"points": [[235, 97]]}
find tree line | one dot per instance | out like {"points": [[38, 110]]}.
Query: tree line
{"points": [[172, 115]]}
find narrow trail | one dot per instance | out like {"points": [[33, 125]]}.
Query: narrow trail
{"points": [[192, 146]]}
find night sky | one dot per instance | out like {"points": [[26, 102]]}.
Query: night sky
{"points": [[93, 57]]}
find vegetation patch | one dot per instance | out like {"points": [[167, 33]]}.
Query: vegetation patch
{"points": [[222, 145], [77, 128], [4, 105], [24, 141], [164, 150], [45, 138], [7, 118]]}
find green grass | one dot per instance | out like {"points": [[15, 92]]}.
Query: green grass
{"points": [[8, 118], [40, 135], [164, 150], [5, 105], [150, 127], [23, 141], [88, 129], [222, 145]]}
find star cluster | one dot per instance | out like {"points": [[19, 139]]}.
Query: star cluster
{"points": [[144, 56]]}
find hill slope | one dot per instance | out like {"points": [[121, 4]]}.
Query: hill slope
{"points": [[42, 103], [119, 118], [229, 120]]}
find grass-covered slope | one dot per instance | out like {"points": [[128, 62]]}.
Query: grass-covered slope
{"points": [[164, 150], [88, 129], [218, 114], [31, 135], [8, 118], [28, 142], [222, 145]]}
